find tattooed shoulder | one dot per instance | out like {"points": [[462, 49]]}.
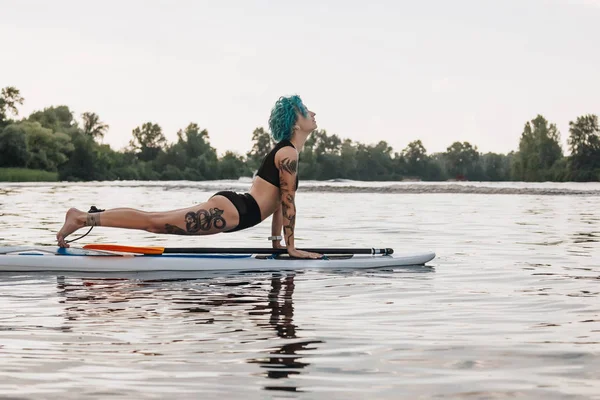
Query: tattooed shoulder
{"points": [[288, 165]]}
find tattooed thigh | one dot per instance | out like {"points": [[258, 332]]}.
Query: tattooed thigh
{"points": [[212, 218]]}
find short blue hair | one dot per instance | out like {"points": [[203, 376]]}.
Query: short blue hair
{"points": [[284, 116]]}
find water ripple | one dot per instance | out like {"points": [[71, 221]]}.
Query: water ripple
{"points": [[508, 309]]}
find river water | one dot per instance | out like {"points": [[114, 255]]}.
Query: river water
{"points": [[509, 308]]}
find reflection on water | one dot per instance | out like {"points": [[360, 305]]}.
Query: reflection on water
{"points": [[586, 237], [94, 301], [284, 360]]}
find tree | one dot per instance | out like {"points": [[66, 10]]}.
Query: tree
{"points": [[92, 126], [148, 140], [196, 142], [414, 158], [374, 162], [539, 149], [83, 163], [348, 162], [13, 147], [495, 167], [9, 98], [584, 145], [48, 150], [57, 119], [262, 145], [232, 166], [123, 164], [461, 160], [29, 144], [191, 157], [325, 159], [324, 144]]}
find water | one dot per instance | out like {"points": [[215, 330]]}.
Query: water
{"points": [[508, 309]]}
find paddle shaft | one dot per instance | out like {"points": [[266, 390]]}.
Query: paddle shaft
{"points": [[154, 250], [242, 250]]}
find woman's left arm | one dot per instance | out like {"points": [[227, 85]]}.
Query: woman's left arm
{"points": [[276, 226]]}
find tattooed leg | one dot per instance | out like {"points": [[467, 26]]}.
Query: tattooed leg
{"points": [[211, 217], [201, 220], [93, 219], [175, 230]]}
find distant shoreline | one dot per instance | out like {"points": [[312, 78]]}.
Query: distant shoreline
{"points": [[350, 187]]}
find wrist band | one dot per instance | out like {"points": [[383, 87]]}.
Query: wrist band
{"points": [[275, 238]]}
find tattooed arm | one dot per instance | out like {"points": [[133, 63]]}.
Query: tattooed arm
{"points": [[286, 160], [276, 227]]}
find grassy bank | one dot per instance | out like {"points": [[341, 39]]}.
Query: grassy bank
{"points": [[26, 175]]}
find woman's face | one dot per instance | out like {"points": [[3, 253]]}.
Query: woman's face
{"points": [[308, 123]]}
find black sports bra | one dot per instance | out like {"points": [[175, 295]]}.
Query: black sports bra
{"points": [[268, 170]]}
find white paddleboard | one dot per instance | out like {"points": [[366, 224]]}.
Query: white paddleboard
{"points": [[54, 259]]}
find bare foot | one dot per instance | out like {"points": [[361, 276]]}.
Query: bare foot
{"points": [[74, 220]]}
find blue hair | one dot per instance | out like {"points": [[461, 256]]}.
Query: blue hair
{"points": [[284, 116]]}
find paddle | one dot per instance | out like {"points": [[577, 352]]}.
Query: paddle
{"points": [[153, 250]]}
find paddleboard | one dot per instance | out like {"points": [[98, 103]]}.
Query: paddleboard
{"points": [[55, 259]]}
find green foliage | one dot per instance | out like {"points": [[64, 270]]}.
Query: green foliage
{"points": [[324, 144], [348, 164], [232, 166], [26, 175], [495, 167], [584, 144], [263, 143], [124, 165], [9, 98], [192, 156], [148, 140], [539, 149], [13, 147], [28, 144], [87, 160], [48, 149], [92, 126], [321, 158], [57, 119], [53, 144], [414, 159], [462, 161]]}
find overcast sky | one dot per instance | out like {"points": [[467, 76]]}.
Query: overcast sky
{"points": [[435, 70]]}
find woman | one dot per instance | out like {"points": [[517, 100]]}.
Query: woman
{"points": [[273, 192]]}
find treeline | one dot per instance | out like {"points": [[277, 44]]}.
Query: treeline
{"points": [[53, 140]]}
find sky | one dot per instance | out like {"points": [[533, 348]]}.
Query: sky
{"points": [[436, 70]]}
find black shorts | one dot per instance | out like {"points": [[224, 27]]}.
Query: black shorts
{"points": [[246, 206]]}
